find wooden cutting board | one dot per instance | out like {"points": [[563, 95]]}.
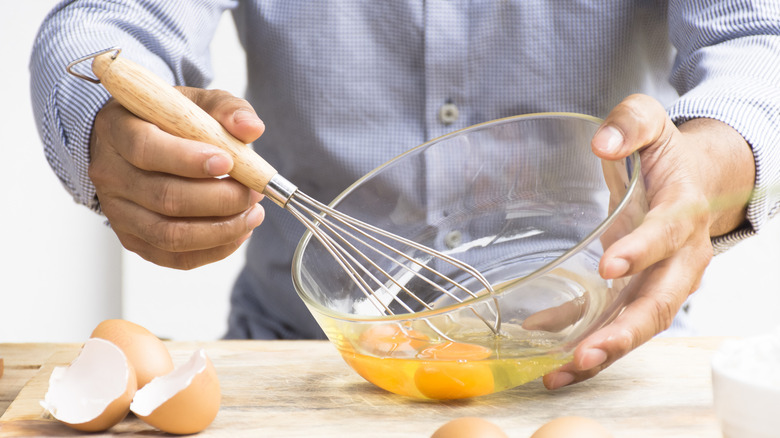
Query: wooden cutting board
{"points": [[304, 389]]}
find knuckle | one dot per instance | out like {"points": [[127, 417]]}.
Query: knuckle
{"points": [[228, 197], [140, 149], [97, 173], [663, 314], [687, 221], [170, 199], [631, 107], [626, 340], [176, 237], [674, 234], [220, 102], [172, 236]]}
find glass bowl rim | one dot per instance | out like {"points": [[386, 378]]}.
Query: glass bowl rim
{"points": [[307, 235]]}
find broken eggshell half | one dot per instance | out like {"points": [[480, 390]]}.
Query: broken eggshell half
{"points": [[145, 351], [94, 392], [183, 401]]}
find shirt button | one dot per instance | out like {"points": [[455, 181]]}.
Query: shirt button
{"points": [[448, 113], [453, 239]]}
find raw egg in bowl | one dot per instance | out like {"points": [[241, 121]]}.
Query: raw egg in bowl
{"points": [[525, 202]]}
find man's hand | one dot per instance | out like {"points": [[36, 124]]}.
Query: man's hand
{"points": [[161, 193], [698, 178]]}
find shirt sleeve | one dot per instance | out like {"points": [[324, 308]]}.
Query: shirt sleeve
{"points": [[170, 38], [728, 68]]}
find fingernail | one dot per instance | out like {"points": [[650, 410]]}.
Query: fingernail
{"points": [[616, 268], [561, 379], [255, 216], [218, 165], [592, 358], [246, 116], [608, 139]]}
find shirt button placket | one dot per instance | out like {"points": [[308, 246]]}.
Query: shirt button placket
{"points": [[446, 65], [446, 69]]}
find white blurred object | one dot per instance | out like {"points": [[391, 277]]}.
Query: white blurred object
{"points": [[62, 271], [746, 386], [59, 265]]}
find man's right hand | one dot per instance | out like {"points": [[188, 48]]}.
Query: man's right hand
{"points": [[161, 193]]}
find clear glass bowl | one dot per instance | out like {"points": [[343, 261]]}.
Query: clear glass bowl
{"points": [[524, 201]]}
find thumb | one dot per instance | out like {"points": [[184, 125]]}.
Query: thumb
{"points": [[234, 113], [636, 122]]}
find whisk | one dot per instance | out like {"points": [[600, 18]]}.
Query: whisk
{"points": [[358, 247]]}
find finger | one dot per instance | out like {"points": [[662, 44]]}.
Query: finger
{"points": [[173, 196], [555, 319], [181, 234], [669, 226], [664, 288], [636, 122], [235, 114], [183, 197], [148, 147], [179, 260]]}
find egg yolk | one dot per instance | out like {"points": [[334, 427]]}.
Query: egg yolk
{"points": [[450, 376], [452, 380], [403, 361], [389, 374]]}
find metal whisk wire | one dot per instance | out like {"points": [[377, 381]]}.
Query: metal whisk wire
{"points": [[340, 234]]}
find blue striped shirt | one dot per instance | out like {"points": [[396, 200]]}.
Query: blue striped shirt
{"points": [[344, 86]]}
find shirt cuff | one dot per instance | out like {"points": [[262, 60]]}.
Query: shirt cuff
{"points": [[751, 110]]}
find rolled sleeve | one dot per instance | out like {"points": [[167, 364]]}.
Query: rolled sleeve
{"points": [[168, 38], [728, 69]]}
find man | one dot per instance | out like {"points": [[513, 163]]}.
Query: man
{"points": [[345, 86]]}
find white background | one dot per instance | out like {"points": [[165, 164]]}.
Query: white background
{"points": [[62, 271]]}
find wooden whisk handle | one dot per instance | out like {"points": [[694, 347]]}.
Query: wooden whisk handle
{"points": [[152, 99]]}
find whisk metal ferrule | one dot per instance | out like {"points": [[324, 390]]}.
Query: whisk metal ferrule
{"points": [[280, 190]]}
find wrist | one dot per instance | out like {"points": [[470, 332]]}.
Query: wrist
{"points": [[727, 170]]}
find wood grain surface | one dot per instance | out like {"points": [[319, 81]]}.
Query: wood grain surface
{"points": [[304, 389]]}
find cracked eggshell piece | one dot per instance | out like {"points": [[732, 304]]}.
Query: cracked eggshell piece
{"points": [[94, 392], [184, 401], [145, 351]]}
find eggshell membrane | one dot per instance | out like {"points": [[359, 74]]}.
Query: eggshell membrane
{"points": [[572, 427], [469, 427], [94, 392], [145, 351], [184, 401]]}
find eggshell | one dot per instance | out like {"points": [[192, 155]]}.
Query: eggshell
{"points": [[572, 427], [469, 427], [94, 392], [182, 402], [145, 351]]}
